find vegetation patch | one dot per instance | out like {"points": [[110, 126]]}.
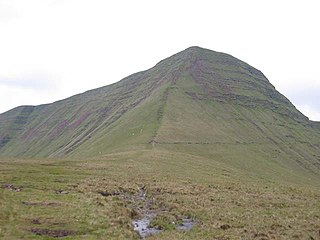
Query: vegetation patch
{"points": [[44, 204], [52, 233], [180, 196]]}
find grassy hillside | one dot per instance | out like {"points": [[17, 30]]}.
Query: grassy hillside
{"points": [[201, 136], [59, 128], [93, 199], [195, 96], [225, 110], [198, 101]]}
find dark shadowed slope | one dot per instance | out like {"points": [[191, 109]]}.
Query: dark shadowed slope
{"points": [[198, 101]]}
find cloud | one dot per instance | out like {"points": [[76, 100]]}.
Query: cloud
{"points": [[28, 89], [39, 82], [306, 98], [7, 12], [11, 97], [83, 44], [309, 111]]}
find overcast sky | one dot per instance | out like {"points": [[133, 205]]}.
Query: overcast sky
{"points": [[52, 49]]}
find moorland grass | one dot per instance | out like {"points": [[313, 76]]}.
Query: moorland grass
{"points": [[64, 196]]}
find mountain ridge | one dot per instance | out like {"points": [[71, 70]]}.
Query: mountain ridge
{"points": [[201, 138], [188, 51], [197, 101]]}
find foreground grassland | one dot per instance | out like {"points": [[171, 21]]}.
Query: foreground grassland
{"points": [[94, 199]]}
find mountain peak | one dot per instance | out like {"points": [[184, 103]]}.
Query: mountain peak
{"points": [[195, 49], [183, 99], [196, 53]]}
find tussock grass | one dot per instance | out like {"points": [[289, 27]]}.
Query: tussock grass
{"points": [[65, 197]]}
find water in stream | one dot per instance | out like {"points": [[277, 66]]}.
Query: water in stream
{"points": [[141, 226]]}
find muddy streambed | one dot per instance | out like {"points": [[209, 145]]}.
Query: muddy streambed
{"points": [[142, 225], [150, 217]]}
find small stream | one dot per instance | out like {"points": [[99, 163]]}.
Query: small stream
{"points": [[141, 226], [186, 224]]}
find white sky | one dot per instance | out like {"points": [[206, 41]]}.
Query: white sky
{"points": [[52, 49]]}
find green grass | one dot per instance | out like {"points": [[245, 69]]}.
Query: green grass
{"points": [[206, 134], [196, 96], [64, 195]]}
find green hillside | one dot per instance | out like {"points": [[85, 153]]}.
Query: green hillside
{"points": [[201, 136], [197, 101]]}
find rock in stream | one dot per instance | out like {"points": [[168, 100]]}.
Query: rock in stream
{"points": [[142, 226]]}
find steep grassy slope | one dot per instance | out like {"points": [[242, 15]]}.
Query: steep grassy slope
{"points": [[216, 106], [59, 128], [203, 134], [219, 107], [197, 101]]}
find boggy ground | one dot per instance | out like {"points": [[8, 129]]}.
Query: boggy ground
{"points": [[98, 199]]}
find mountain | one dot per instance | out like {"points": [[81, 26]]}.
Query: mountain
{"points": [[197, 101]]}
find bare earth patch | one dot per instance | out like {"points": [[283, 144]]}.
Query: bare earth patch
{"points": [[52, 233]]}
